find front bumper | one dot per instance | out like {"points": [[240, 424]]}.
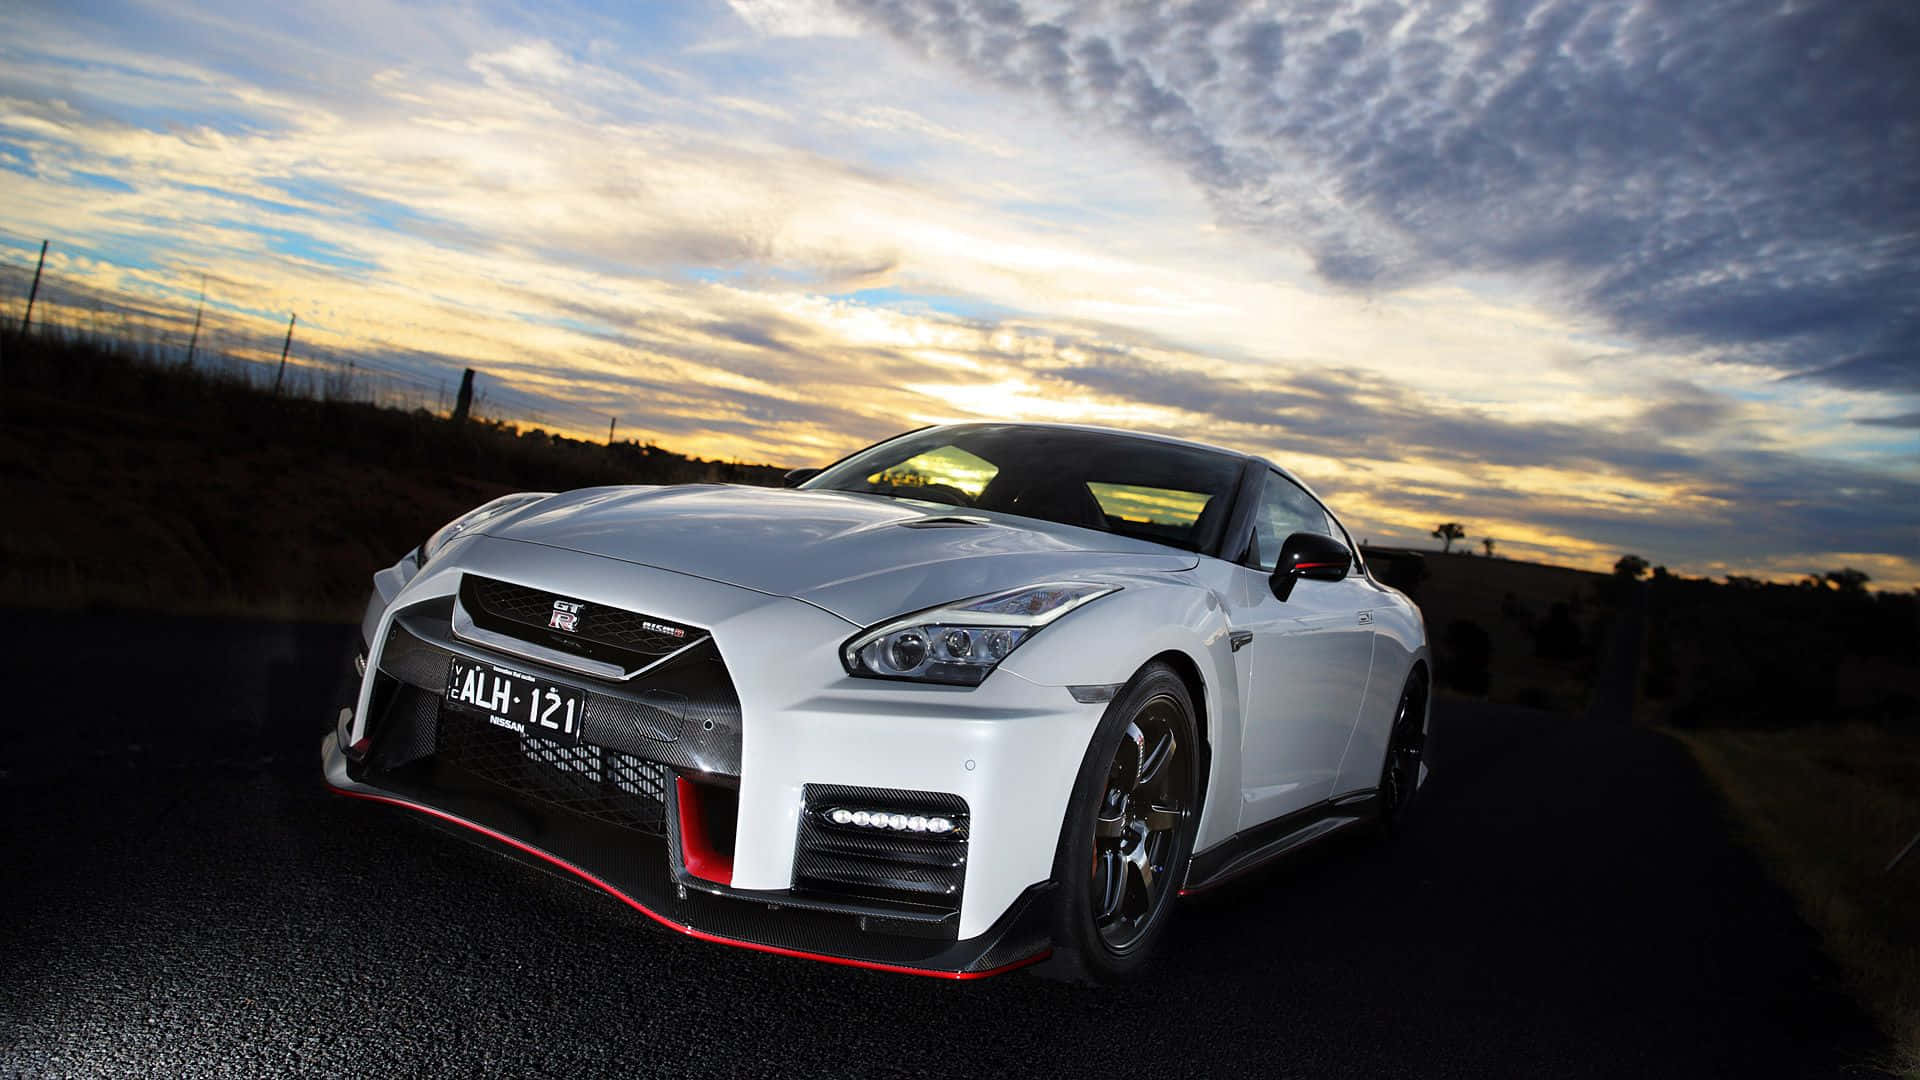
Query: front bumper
{"points": [[1007, 750], [1018, 939]]}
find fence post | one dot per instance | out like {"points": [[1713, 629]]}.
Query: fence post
{"points": [[194, 342], [465, 401], [27, 319], [282, 373], [1903, 854]]}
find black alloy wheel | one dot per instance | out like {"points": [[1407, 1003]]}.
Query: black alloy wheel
{"points": [[1135, 828], [1129, 829], [1406, 747]]}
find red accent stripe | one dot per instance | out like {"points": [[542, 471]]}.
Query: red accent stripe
{"points": [[681, 927], [1314, 565], [701, 860]]}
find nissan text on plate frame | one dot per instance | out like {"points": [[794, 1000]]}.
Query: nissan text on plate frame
{"points": [[975, 696]]}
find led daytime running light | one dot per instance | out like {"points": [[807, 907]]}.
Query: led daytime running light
{"points": [[891, 821]]}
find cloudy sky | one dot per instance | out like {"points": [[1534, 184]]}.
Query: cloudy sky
{"points": [[1589, 277]]}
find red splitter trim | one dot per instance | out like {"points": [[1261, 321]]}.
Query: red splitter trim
{"points": [[681, 927]]}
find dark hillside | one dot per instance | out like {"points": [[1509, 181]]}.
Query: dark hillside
{"points": [[133, 484], [1753, 655], [1503, 630]]}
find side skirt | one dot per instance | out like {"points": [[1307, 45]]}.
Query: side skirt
{"points": [[1253, 848]]}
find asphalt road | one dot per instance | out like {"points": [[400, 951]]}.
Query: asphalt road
{"points": [[182, 897]]}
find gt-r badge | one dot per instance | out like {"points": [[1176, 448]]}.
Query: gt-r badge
{"points": [[566, 616]]}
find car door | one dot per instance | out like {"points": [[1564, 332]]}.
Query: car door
{"points": [[1307, 659]]}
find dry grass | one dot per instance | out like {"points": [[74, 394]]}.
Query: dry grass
{"points": [[1827, 808]]}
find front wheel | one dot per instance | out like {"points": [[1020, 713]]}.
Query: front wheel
{"points": [[1129, 830]]}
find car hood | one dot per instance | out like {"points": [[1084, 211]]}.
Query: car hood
{"points": [[865, 558]]}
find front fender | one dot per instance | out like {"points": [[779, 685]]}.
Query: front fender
{"points": [[1106, 642]]}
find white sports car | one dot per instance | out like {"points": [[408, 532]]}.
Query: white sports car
{"points": [[976, 695]]}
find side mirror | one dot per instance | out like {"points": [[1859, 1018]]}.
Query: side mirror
{"points": [[796, 477], [1311, 556]]}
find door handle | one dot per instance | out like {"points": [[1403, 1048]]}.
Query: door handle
{"points": [[1239, 639], [1365, 617]]}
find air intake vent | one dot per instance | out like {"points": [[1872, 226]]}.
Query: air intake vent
{"points": [[888, 861], [949, 522], [598, 783]]}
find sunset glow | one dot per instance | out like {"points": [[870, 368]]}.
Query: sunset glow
{"points": [[779, 230]]}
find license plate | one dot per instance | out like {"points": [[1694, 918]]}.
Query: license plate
{"points": [[516, 701]]}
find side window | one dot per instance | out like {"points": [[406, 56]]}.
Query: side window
{"points": [[1284, 510]]}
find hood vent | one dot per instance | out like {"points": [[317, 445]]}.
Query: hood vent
{"points": [[950, 522]]}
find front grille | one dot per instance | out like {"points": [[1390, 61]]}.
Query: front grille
{"points": [[918, 869], [627, 638], [592, 781]]}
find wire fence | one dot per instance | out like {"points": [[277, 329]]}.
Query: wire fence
{"points": [[248, 346]]}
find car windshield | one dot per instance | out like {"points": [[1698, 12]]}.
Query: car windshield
{"points": [[1142, 488]]}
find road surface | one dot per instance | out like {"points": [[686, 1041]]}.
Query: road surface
{"points": [[182, 897]]}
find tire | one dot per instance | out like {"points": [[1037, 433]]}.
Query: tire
{"points": [[1406, 751], [1128, 832]]}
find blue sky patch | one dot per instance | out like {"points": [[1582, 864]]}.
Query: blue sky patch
{"points": [[902, 300], [369, 209], [103, 182], [299, 245], [16, 158]]}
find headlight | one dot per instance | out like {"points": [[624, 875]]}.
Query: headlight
{"points": [[472, 520], [961, 643]]}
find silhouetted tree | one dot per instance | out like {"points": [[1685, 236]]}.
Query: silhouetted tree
{"points": [[1449, 532], [1630, 567], [1849, 580], [1487, 542]]}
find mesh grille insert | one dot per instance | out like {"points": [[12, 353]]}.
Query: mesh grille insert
{"points": [[596, 630], [593, 781]]}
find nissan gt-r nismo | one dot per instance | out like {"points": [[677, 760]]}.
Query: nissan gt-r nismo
{"points": [[976, 695]]}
